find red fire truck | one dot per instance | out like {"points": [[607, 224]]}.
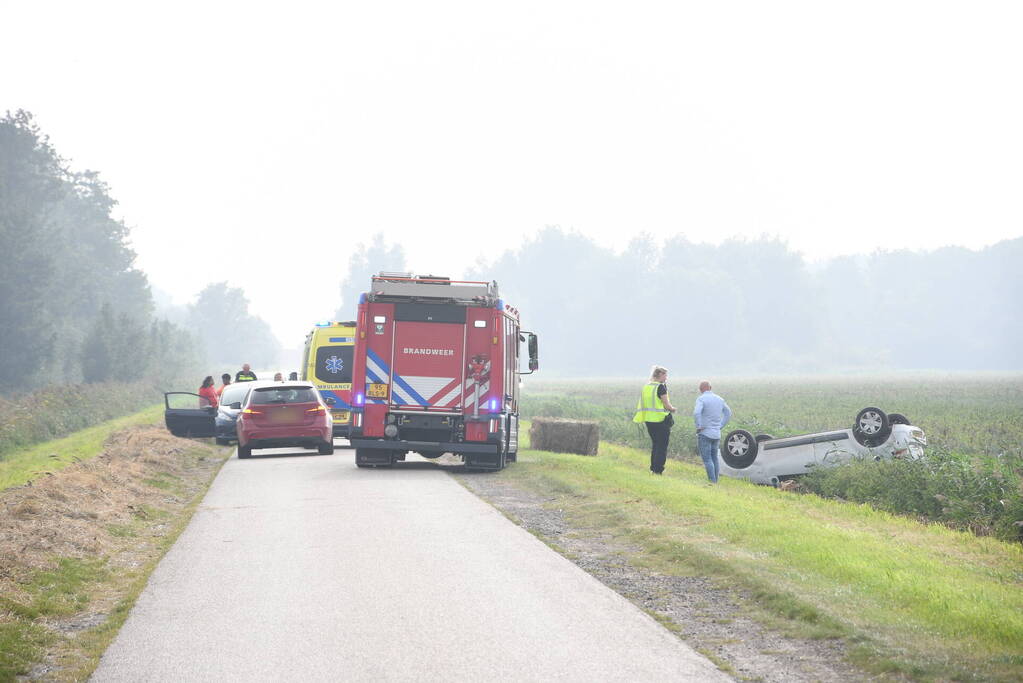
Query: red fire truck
{"points": [[436, 370]]}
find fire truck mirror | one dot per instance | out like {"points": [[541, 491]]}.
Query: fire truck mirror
{"points": [[534, 354]]}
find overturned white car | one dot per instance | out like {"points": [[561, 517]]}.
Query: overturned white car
{"points": [[764, 459]]}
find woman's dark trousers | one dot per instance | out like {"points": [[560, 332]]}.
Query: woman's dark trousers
{"points": [[659, 433]]}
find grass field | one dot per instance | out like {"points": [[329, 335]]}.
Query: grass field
{"points": [[914, 600], [970, 415], [972, 477], [30, 463]]}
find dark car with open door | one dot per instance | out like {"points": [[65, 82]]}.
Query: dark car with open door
{"points": [[231, 400], [188, 415]]}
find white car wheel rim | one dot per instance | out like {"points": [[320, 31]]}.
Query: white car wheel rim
{"points": [[870, 423], [738, 445]]}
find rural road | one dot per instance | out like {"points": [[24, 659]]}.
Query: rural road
{"points": [[308, 568]]}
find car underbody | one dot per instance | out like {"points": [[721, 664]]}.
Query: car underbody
{"points": [[764, 459]]}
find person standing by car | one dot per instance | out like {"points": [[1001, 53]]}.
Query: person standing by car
{"points": [[208, 393], [710, 414], [225, 381], [654, 409], [245, 374]]}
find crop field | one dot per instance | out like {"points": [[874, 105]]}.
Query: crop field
{"points": [[973, 416], [971, 479]]}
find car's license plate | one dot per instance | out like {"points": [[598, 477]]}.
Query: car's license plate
{"points": [[377, 391], [281, 416], [341, 416]]}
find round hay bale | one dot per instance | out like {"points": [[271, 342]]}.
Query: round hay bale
{"points": [[565, 436]]}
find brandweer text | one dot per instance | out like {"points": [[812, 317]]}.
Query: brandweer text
{"points": [[429, 352]]}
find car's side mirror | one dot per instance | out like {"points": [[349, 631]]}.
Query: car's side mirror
{"points": [[534, 359], [329, 401], [237, 405]]}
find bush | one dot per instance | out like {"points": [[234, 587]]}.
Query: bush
{"points": [[982, 494], [57, 411]]}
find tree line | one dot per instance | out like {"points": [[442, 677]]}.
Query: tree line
{"points": [[756, 306], [73, 306], [746, 306]]}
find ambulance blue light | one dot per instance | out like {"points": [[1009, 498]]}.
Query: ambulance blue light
{"points": [[325, 323], [493, 405], [360, 399]]}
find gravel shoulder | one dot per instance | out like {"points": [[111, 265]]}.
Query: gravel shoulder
{"points": [[707, 616]]}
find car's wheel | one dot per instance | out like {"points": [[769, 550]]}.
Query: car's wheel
{"points": [[872, 427], [764, 437], [244, 451], [326, 448], [431, 454], [898, 419], [739, 449]]}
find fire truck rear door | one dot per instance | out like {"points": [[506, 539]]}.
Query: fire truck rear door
{"points": [[429, 347]]}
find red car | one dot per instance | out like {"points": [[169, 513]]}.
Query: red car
{"points": [[285, 414]]}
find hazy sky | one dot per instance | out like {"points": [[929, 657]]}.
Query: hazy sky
{"points": [[256, 142]]}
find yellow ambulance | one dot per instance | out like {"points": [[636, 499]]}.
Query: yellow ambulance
{"points": [[327, 363]]}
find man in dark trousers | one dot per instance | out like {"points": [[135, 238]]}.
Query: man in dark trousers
{"points": [[654, 409], [245, 374]]}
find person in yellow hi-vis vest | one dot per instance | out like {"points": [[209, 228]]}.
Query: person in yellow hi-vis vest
{"points": [[654, 409]]}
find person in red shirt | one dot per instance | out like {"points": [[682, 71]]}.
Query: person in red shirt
{"points": [[208, 393]]}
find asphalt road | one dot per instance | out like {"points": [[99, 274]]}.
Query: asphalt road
{"points": [[306, 568]]}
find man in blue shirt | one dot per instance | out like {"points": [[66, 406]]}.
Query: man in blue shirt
{"points": [[710, 414]]}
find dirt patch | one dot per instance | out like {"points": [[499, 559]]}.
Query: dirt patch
{"points": [[113, 513], [707, 616]]}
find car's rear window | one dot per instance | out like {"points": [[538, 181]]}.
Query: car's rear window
{"points": [[283, 395], [234, 393]]}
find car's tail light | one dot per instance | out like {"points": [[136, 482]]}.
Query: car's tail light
{"points": [[317, 409]]}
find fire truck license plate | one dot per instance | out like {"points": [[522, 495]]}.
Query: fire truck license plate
{"points": [[341, 416], [377, 391]]}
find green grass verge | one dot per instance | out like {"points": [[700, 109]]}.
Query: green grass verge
{"points": [[94, 642], [69, 588], [20, 467], [914, 600], [56, 592], [21, 645]]}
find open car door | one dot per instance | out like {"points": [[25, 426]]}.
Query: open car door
{"points": [[187, 414]]}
